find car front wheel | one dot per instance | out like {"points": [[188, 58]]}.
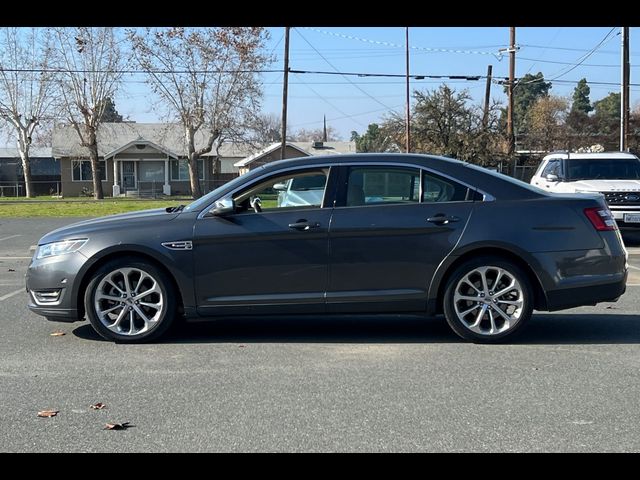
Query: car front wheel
{"points": [[488, 299], [128, 301]]}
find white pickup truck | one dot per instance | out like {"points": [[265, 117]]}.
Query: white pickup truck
{"points": [[616, 175]]}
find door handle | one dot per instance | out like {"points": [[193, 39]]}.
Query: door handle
{"points": [[304, 225], [442, 219]]}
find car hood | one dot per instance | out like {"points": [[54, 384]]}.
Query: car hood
{"points": [[606, 185], [139, 219]]}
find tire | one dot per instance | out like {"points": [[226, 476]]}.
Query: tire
{"points": [[129, 300], [476, 311]]}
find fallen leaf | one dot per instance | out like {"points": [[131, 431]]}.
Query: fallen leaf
{"points": [[11, 270], [242, 346], [98, 406], [57, 334], [117, 426], [48, 413]]}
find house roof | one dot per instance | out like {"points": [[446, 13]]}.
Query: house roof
{"points": [[37, 152], [112, 137], [265, 151], [169, 138], [143, 142], [306, 148]]}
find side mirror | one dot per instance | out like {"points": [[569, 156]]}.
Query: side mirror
{"points": [[552, 178], [223, 207], [281, 187]]}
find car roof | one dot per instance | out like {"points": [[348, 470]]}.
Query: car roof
{"points": [[592, 155]]}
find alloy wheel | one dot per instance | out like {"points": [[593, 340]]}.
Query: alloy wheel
{"points": [[129, 301], [489, 300]]}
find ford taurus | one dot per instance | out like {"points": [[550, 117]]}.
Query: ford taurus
{"points": [[397, 233]]}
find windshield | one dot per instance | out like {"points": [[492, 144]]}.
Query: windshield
{"points": [[603, 169]]}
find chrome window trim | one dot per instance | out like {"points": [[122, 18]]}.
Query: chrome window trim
{"points": [[486, 196]]}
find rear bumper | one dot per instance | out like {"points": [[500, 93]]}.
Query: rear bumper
{"points": [[585, 295]]}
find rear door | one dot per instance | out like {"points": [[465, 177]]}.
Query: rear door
{"points": [[391, 228]]}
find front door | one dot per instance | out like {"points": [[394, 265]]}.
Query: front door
{"points": [[268, 256], [129, 175], [390, 230]]}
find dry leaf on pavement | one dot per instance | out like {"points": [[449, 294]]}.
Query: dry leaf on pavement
{"points": [[117, 426], [48, 413], [98, 406]]}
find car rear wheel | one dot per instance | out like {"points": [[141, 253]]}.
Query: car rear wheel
{"points": [[488, 299], [128, 301]]}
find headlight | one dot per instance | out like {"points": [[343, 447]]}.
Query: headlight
{"points": [[60, 248]]}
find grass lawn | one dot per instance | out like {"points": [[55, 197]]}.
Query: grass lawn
{"points": [[54, 207]]}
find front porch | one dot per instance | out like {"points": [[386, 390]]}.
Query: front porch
{"points": [[141, 168]]}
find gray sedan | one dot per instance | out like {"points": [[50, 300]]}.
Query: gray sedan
{"points": [[389, 233]]}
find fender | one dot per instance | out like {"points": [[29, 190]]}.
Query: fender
{"points": [[468, 250], [179, 264]]}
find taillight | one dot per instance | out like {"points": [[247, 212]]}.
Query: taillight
{"points": [[601, 218]]}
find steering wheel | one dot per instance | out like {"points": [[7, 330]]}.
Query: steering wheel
{"points": [[256, 204]]}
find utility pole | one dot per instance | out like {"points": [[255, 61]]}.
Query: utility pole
{"points": [[487, 98], [408, 121], [624, 91], [285, 89], [512, 74]]}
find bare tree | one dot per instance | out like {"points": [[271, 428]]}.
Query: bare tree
{"points": [[91, 65], [314, 135], [265, 128], [25, 89], [208, 80]]}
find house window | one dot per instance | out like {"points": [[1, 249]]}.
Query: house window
{"points": [[180, 170], [81, 170], [151, 171]]}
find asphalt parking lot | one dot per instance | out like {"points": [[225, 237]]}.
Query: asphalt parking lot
{"points": [[569, 383]]}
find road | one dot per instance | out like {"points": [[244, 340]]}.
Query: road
{"points": [[382, 384]]}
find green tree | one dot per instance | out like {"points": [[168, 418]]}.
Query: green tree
{"points": [[581, 102], [606, 120], [110, 114], [444, 122], [525, 94], [373, 140]]}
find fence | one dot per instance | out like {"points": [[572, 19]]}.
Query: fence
{"points": [[40, 187]]}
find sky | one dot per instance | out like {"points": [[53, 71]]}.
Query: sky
{"points": [[563, 54]]}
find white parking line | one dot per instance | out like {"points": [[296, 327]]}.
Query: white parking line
{"points": [[16, 258], [635, 268], [7, 238], [9, 295]]}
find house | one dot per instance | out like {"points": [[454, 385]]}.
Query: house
{"points": [[141, 158], [45, 172], [293, 150], [151, 158]]}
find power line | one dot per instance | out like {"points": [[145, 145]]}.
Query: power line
{"points": [[414, 47], [342, 74]]}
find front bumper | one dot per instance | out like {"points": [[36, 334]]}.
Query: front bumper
{"points": [[50, 283], [619, 216]]}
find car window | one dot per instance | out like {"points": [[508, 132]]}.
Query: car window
{"points": [[302, 189], [552, 168], [382, 185], [439, 189]]}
